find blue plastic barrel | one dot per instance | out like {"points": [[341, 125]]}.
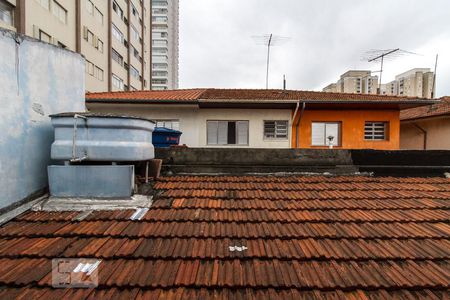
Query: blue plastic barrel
{"points": [[165, 137]]}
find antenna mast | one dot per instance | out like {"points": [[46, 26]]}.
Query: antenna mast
{"points": [[269, 40]]}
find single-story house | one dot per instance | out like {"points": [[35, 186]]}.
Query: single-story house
{"points": [[266, 118], [426, 127]]}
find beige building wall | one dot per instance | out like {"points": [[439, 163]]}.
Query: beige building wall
{"points": [[192, 121], [416, 82], [355, 82], [86, 26], [437, 134]]}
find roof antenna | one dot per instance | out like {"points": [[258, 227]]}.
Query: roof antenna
{"points": [[284, 81], [379, 55], [269, 40]]}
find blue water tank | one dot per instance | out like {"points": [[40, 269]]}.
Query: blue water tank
{"points": [[165, 137]]}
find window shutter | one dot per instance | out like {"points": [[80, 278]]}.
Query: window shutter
{"points": [[318, 134], [242, 132], [212, 132], [222, 133], [332, 129]]}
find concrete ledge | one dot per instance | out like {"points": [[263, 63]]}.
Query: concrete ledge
{"points": [[79, 204]]}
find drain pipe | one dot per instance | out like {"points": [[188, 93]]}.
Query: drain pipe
{"points": [[298, 124], [424, 135], [74, 139]]}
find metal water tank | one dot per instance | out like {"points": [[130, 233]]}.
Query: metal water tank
{"points": [[101, 137]]}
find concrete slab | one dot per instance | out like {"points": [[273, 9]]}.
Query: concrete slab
{"points": [[80, 204]]}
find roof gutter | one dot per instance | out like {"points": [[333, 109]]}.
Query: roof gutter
{"points": [[297, 125], [425, 133]]}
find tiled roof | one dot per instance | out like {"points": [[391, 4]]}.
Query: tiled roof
{"points": [[428, 111], [240, 94], [178, 95], [259, 237]]}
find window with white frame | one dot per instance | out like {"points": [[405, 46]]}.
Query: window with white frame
{"points": [[99, 73], [117, 33], [326, 133], [44, 3], [59, 11], [6, 13], [276, 130], [117, 9], [90, 7], [117, 57], [90, 68], [227, 132], [117, 82], [44, 37], [98, 16], [134, 33], [134, 72], [171, 124], [376, 131]]}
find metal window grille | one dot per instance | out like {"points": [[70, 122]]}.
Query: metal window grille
{"points": [[375, 131], [276, 129]]}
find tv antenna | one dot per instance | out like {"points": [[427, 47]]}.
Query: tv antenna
{"points": [[375, 55], [269, 40]]}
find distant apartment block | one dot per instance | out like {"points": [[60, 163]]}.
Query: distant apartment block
{"points": [[356, 82], [416, 82], [114, 36], [165, 19]]}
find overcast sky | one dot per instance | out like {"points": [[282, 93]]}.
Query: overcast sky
{"points": [[327, 38]]}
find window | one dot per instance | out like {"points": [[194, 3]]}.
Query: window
{"points": [[98, 16], [44, 3], [117, 9], [117, 82], [376, 131], [325, 133], [159, 81], [90, 37], [276, 129], [100, 46], [134, 11], [61, 45], [6, 13], [90, 7], [44, 37], [89, 68], [171, 124], [159, 3], [117, 34], [99, 73], [134, 33], [117, 57], [227, 132], [162, 66], [134, 72], [59, 11], [160, 73]]}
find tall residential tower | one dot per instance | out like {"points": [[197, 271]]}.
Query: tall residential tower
{"points": [[165, 20]]}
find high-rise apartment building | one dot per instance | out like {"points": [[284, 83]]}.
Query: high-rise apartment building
{"points": [[416, 82], [113, 35], [354, 81], [165, 15]]}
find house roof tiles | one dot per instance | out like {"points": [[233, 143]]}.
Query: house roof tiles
{"points": [[293, 237], [209, 94], [433, 110]]}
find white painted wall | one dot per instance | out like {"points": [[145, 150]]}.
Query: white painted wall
{"points": [[193, 120], [37, 79]]}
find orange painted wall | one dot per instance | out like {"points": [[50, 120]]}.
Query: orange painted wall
{"points": [[352, 128]]}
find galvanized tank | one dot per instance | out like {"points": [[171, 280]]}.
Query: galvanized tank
{"points": [[101, 137]]}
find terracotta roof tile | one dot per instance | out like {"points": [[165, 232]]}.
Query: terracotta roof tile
{"points": [[210, 94], [299, 237], [428, 111]]}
